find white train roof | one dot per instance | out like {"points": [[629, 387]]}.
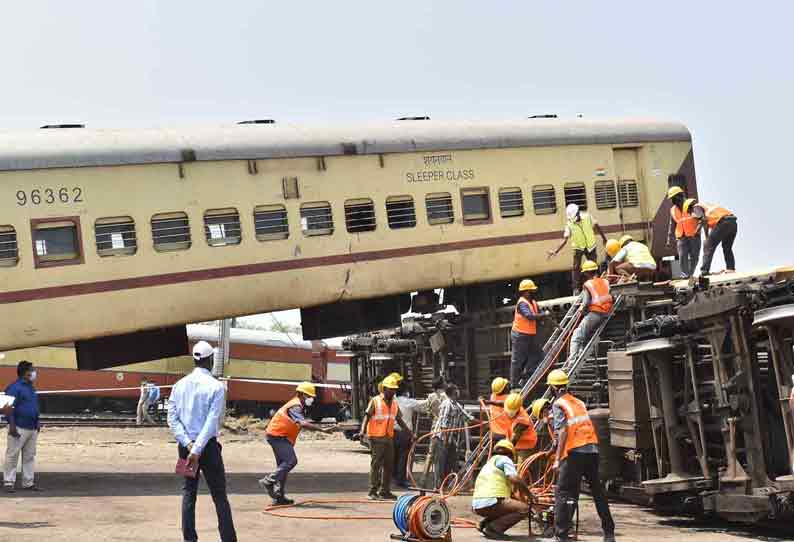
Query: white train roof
{"points": [[203, 332], [83, 147]]}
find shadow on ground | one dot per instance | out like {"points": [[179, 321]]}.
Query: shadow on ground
{"points": [[93, 484]]}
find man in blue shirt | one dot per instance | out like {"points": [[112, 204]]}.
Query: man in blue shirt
{"points": [[194, 411], [23, 429]]}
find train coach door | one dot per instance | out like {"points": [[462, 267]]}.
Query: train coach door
{"points": [[630, 186]]}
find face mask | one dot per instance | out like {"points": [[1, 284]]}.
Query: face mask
{"points": [[309, 401], [32, 376]]}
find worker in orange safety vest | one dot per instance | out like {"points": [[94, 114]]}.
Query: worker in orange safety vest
{"points": [[522, 428], [687, 233], [597, 300], [720, 226], [527, 351], [377, 428], [576, 457], [281, 433]]}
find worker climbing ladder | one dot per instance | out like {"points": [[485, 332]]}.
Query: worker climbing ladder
{"points": [[552, 349]]}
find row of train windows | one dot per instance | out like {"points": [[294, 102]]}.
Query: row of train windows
{"points": [[58, 241]]}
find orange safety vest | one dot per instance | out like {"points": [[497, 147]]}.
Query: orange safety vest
{"points": [[281, 425], [521, 324], [381, 423], [714, 213], [500, 421], [529, 438], [686, 225], [600, 298], [579, 427]]}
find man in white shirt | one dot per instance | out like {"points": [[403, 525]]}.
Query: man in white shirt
{"points": [[194, 411], [402, 440]]}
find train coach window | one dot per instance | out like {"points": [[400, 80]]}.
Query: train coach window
{"points": [[629, 197], [270, 222], [9, 251], [171, 231], [511, 202], [605, 195], [576, 193], [401, 212], [439, 208], [222, 227], [316, 218], [476, 205], [57, 241], [115, 236], [359, 215], [544, 199]]}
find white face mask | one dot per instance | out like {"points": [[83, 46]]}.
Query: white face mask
{"points": [[309, 401], [32, 376]]}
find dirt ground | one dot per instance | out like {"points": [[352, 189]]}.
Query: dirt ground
{"points": [[105, 484]]}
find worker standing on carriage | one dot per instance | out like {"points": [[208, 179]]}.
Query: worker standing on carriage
{"points": [[720, 226], [597, 301], [581, 229], [576, 458], [687, 233]]}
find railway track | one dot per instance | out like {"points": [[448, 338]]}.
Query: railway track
{"points": [[89, 420]]}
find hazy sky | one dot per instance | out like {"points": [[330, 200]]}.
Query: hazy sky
{"points": [[723, 68]]}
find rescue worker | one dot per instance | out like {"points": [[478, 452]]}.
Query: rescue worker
{"points": [[378, 427], [281, 433], [541, 411], [597, 302], [433, 405], [527, 352], [522, 430], [581, 229], [499, 421], [630, 257], [687, 233], [720, 226], [576, 457], [402, 441], [492, 493]]}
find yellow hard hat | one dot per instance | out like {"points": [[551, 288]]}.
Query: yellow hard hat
{"points": [[506, 445], [613, 247], [625, 239], [674, 191], [391, 383], [687, 204], [537, 407], [527, 285], [589, 265], [499, 384], [307, 388], [396, 376], [557, 377], [513, 404]]}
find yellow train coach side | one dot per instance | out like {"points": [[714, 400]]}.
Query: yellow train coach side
{"points": [[110, 232]]}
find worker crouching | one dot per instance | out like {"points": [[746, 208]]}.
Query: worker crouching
{"points": [[492, 493], [522, 430], [630, 257], [576, 458], [598, 304], [282, 432], [378, 426]]}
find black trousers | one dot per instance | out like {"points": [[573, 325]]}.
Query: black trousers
{"points": [[526, 355], [402, 445], [211, 466], [724, 233], [572, 469]]}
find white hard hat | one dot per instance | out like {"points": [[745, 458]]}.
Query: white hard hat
{"points": [[202, 350], [571, 210]]}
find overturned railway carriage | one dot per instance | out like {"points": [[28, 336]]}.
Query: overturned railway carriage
{"points": [[688, 386], [115, 239]]}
